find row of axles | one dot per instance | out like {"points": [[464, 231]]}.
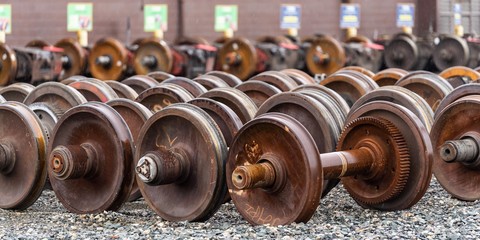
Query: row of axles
{"points": [[275, 157]]}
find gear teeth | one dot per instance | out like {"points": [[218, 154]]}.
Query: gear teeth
{"points": [[402, 156]]}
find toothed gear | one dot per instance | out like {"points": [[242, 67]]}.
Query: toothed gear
{"points": [[393, 168]]}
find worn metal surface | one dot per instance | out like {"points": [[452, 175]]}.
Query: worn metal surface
{"points": [[135, 115], [459, 120], [164, 95], [97, 134], [195, 144], [23, 158]]}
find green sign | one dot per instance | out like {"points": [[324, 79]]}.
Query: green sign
{"points": [[226, 17], [6, 18], [79, 17], [155, 17]]}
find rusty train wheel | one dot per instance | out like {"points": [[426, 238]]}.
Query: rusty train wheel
{"points": [[430, 87], [258, 91], [238, 57], [314, 116], [153, 55], [457, 93], [418, 150], [278, 79], [94, 90], [458, 121], [194, 88], [459, 75], [210, 81], [71, 79], [164, 95], [96, 132], [329, 93], [23, 167], [300, 77], [350, 86], [37, 43], [75, 62], [135, 115], [451, 51], [403, 97], [360, 70], [122, 90], [16, 92], [402, 52], [228, 78], [389, 76], [108, 59], [226, 119], [8, 67], [297, 164], [140, 83], [325, 55], [190, 139], [160, 76], [235, 99]]}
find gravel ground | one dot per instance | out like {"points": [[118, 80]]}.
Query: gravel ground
{"points": [[436, 216]]}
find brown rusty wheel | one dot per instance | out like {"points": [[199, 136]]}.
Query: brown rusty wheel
{"points": [[401, 96], [258, 91], [211, 81], [73, 78], [430, 87], [22, 164], [237, 56], [37, 43], [459, 75], [228, 78], [451, 51], [389, 76], [16, 92], [160, 76], [89, 163], [180, 168], [317, 118], [108, 59], [328, 93], [94, 90], [135, 115], [153, 55], [401, 173], [455, 139], [457, 93], [330, 104], [300, 77], [50, 101], [194, 88], [140, 83], [74, 57], [325, 55], [360, 70], [226, 119], [349, 85], [235, 99], [402, 52], [8, 66], [281, 144], [122, 90], [164, 95], [278, 79]]}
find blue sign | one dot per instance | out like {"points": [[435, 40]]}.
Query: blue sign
{"points": [[290, 16], [349, 15], [457, 13], [405, 15]]}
